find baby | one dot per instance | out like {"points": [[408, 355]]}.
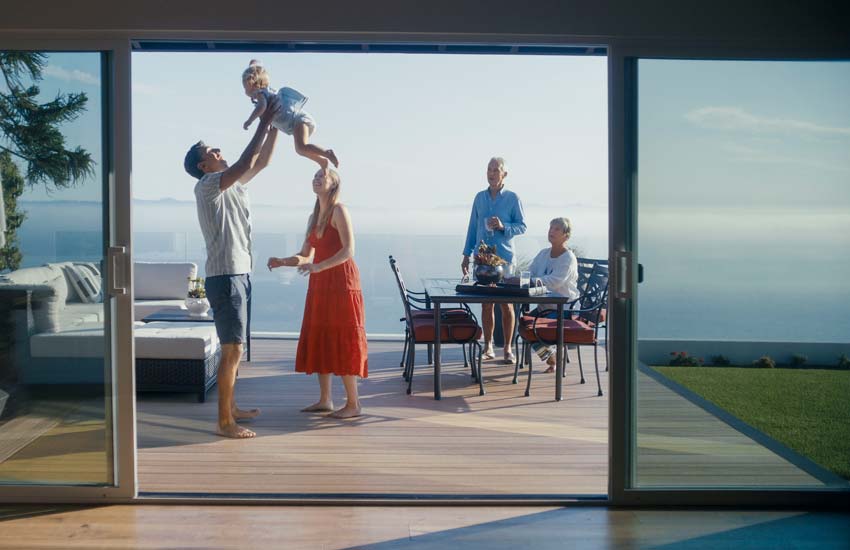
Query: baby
{"points": [[291, 120]]}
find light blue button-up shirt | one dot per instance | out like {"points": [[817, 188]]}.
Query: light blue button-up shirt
{"points": [[508, 208]]}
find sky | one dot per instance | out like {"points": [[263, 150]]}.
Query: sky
{"points": [[413, 133], [720, 142]]}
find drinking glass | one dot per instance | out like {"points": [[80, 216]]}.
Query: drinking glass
{"points": [[489, 230], [524, 279]]}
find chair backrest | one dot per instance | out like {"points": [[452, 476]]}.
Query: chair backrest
{"points": [[402, 290], [595, 297], [585, 268]]}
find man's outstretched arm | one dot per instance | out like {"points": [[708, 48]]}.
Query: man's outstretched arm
{"points": [[262, 160], [246, 160]]}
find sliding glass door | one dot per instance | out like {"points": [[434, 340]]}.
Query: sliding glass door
{"points": [[741, 371], [64, 356]]}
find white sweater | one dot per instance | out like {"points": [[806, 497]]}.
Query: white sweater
{"points": [[560, 275]]}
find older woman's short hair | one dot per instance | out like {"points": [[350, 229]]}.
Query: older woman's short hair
{"points": [[564, 225]]}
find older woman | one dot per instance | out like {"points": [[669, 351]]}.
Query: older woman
{"points": [[496, 218], [557, 268]]}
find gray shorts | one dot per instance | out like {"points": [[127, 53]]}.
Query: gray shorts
{"points": [[228, 296]]}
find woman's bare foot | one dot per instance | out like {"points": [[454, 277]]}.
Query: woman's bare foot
{"points": [[509, 357], [332, 158], [245, 414], [321, 406], [234, 431], [346, 412]]}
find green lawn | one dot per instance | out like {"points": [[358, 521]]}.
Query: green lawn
{"points": [[808, 410]]}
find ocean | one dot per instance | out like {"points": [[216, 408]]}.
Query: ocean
{"points": [[743, 290]]}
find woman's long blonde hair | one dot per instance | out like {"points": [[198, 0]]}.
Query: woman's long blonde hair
{"points": [[333, 198]]}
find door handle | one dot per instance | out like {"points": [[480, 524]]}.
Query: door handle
{"points": [[624, 275], [116, 271], [640, 273]]}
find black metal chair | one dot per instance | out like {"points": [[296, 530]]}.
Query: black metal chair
{"points": [[580, 326], [459, 326], [585, 268]]}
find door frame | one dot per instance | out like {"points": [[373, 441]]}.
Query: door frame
{"points": [[624, 248], [115, 136], [622, 58]]}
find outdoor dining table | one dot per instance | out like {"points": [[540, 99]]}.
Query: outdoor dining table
{"points": [[444, 291]]}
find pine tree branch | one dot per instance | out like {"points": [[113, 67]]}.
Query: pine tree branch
{"points": [[17, 154]]}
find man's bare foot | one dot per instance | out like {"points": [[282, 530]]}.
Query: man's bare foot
{"points": [[551, 363], [332, 158], [346, 412], [245, 414], [319, 407], [234, 431]]}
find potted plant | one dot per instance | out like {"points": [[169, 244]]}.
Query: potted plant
{"points": [[196, 299], [489, 267]]}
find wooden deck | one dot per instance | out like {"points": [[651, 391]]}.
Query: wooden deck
{"points": [[499, 444], [682, 445]]}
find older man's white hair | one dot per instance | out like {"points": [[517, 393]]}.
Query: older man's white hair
{"points": [[500, 161]]}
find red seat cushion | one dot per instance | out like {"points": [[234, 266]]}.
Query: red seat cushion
{"points": [[429, 313], [459, 330], [575, 331], [590, 316]]}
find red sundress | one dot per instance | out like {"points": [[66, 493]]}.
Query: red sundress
{"points": [[333, 331]]}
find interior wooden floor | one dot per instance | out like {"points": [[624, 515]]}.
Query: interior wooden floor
{"points": [[421, 528]]}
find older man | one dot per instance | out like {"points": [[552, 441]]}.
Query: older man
{"points": [[224, 213], [496, 218]]}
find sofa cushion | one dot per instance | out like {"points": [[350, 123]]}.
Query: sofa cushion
{"points": [[86, 282], [143, 308], [75, 314], [162, 281], [48, 300], [153, 341], [31, 275], [163, 340], [60, 266], [81, 340]]}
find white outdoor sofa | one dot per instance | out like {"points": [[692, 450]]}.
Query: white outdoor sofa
{"points": [[51, 337]]}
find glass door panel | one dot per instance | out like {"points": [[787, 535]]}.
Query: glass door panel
{"points": [[55, 372], [743, 332]]}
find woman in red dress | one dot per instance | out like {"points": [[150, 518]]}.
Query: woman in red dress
{"points": [[333, 335]]}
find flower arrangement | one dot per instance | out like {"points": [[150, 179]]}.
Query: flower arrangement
{"points": [[682, 359], [765, 362], [196, 288], [486, 255]]}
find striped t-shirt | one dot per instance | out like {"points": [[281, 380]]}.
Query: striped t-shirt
{"points": [[225, 218]]}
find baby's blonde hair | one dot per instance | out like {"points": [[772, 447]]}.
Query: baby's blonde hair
{"points": [[256, 75]]}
